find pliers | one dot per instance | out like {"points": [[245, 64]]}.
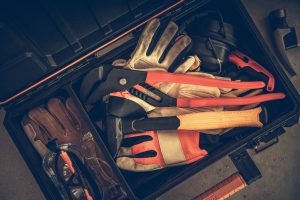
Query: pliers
{"points": [[106, 79]]}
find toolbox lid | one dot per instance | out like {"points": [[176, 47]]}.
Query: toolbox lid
{"points": [[40, 39]]}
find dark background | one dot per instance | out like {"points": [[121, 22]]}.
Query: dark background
{"points": [[279, 165]]}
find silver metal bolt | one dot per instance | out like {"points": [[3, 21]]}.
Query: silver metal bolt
{"points": [[123, 81]]}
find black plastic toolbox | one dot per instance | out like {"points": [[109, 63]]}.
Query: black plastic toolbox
{"points": [[47, 47]]}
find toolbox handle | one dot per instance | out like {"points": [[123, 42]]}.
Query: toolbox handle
{"points": [[225, 188]]}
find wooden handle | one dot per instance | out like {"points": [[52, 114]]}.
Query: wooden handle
{"points": [[224, 189], [223, 119]]}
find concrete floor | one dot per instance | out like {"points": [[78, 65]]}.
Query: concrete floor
{"points": [[279, 165]]}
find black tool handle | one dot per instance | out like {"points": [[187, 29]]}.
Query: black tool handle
{"points": [[149, 124]]}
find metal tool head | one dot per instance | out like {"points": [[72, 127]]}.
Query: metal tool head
{"points": [[121, 107], [152, 95], [105, 79], [92, 80]]}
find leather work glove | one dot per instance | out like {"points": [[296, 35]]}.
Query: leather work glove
{"points": [[153, 53], [62, 123], [153, 150]]}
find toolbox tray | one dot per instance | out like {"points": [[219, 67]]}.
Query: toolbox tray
{"points": [[53, 61]]}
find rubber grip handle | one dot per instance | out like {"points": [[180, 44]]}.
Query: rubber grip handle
{"points": [[224, 189], [65, 157], [154, 77], [222, 119], [228, 101], [242, 61], [149, 124]]}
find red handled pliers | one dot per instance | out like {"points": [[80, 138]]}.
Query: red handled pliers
{"points": [[106, 79]]}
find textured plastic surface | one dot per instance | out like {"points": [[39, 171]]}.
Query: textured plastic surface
{"points": [[39, 37]]}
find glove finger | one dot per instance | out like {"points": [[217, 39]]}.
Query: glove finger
{"points": [[141, 142], [57, 108], [75, 116], [47, 122], [224, 90], [234, 93], [146, 38], [124, 151], [130, 164], [191, 61], [134, 140], [143, 147], [119, 62], [254, 93], [165, 39], [195, 66], [130, 140], [180, 45], [196, 91], [36, 135], [250, 94], [184, 67], [243, 92], [247, 107]]}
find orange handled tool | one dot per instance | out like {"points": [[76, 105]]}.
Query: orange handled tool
{"points": [[65, 157], [157, 98], [106, 79], [253, 68]]}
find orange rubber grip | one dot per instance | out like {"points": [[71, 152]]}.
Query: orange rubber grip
{"points": [[241, 60], [154, 77], [224, 189], [67, 160], [87, 195]]}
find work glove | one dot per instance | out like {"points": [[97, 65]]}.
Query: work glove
{"points": [[153, 150], [155, 52], [62, 123]]}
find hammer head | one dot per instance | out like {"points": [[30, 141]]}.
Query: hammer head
{"points": [[122, 107]]}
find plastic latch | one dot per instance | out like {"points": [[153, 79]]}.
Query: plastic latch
{"points": [[267, 140], [245, 165], [273, 134]]}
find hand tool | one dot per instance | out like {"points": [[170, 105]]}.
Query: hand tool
{"points": [[117, 127], [160, 99], [252, 68], [75, 171], [59, 123], [106, 79], [70, 168], [284, 37]]}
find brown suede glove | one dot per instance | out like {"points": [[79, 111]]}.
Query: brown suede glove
{"points": [[62, 122]]}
